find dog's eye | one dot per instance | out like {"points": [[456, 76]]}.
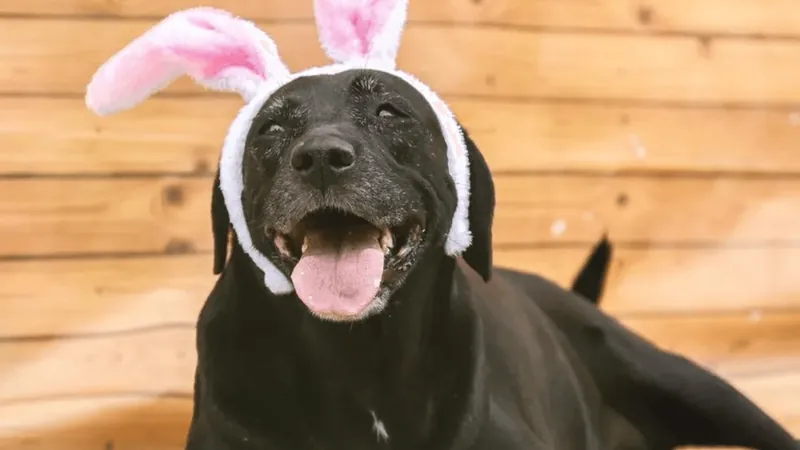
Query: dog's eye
{"points": [[269, 128], [386, 110]]}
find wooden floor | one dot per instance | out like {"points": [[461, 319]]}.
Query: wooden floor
{"points": [[673, 126]]}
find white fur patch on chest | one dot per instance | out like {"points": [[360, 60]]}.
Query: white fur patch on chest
{"points": [[379, 428]]}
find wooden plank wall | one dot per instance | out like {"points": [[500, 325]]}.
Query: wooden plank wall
{"points": [[674, 126]]}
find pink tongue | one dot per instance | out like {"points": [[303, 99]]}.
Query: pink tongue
{"points": [[339, 275]]}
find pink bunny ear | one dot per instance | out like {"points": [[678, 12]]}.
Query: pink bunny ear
{"points": [[353, 30], [216, 49]]}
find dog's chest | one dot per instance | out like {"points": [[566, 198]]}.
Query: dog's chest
{"points": [[372, 433], [334, 428], [334, 422]]}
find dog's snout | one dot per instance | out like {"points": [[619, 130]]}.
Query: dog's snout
{"points": [[322, 156]]}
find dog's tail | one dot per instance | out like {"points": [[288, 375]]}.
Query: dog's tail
{"points": [[590, 281]]}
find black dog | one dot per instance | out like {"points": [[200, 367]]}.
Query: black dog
{"points": [[449, 355]]}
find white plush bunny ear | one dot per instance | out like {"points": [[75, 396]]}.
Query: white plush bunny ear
{"points": [[356, 30], [215, 48]]}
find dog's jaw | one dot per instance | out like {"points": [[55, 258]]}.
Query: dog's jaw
{"points": [[327, 236]]}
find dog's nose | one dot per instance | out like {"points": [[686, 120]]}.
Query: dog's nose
{"points": [[323, 156]]}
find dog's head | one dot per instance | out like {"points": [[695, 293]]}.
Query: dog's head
{"points": [[346, 187], [340, 179]]}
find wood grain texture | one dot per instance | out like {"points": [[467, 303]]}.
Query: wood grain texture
{"points": [[92, 216], [76, 297], [62, 136], [120, 422], [80, 297], [151, 361], [481, 61], [682, 281], [742, 17], [185, 136], [135, 215]]}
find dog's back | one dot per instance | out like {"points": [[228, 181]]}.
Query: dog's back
{"points": [[626, 392]]}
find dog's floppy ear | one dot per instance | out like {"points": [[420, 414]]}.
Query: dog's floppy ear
{"points": [[220, 227], [481, 210]]}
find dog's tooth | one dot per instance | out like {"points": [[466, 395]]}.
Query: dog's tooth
{"points": [[376, 282], [280, 242], [386, 240], [403, 251], [305, 245]]}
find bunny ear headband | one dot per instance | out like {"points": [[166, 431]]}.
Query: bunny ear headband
{"points": [[225, 53]]}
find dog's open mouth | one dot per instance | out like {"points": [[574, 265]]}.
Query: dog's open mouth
{"points": [[341, 261]]}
